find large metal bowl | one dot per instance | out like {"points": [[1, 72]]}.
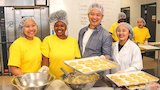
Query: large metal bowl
{"points": [[86, 81], [85, 86], [32, 81]]}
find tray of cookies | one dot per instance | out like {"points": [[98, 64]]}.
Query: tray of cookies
{"points": [[132, 78], [134, 87], [91, 65]]}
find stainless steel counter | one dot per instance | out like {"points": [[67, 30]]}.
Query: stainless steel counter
{"points": [[154, 46], [5, 83]]}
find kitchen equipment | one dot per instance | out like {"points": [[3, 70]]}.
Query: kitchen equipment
{"points": [[58, 85], [132, 78], [91, 65], [32, 81], [66, 74], [79, 81]]}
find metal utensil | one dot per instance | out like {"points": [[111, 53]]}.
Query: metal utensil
{"points": [[32, 81], [66, 74]]}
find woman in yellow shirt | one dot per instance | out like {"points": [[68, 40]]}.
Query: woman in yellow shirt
{"points": [[121, 18], [141, 33], [59, 47], [24, 53]]}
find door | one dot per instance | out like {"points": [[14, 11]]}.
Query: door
{"points": [[126, 10], [148, 12]]}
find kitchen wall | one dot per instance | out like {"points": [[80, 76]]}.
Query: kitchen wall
{"points": [[135, 12], [77, 12], [2, 2]]}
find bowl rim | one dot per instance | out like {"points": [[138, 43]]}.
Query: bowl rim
{"points": [[98, 77], [47, 83]]}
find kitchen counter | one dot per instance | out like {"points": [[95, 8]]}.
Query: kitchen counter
{"points": [[5, 84]]}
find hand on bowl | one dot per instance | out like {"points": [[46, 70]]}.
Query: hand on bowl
{"points": [[43, 69]]}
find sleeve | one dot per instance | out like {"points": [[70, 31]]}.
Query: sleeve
{"points": [[45, 47], [77, 51], [134, 33], [130, 69], [107, 46], [111, 29], [14, 55], [136, 59], [148, 34]]}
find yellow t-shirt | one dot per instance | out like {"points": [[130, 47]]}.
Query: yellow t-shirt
{"points": [[141, 34], [26, 54], [59, 50], [113, 31]]}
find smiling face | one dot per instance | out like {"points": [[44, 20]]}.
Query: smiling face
{"points": [[122, 33], [60, 29], [30, 29], [95, 17]]}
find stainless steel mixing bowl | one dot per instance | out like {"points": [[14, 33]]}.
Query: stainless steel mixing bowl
{"points": [[32, 81], [85, 86], [80, 81]]}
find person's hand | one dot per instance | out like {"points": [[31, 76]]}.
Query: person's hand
{"points": [[121, 71], [104, 57], [153, 86], [43, 69], [146, 42]]}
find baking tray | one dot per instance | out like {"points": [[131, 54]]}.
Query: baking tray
{"points": [[154, 43], [148, 47], [91, 64], [134, 87], [132, 78]]}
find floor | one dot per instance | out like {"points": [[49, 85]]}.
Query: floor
{"points": [[150, 66], [149, 63]]}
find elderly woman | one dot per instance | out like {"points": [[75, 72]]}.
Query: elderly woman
{"points": [[121, 18], [141, 33], [59, 47], [24, 53], [125, 52]]}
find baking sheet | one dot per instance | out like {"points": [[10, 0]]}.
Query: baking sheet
{"points": [[132, 78], [91, 64], [154, 43], [148, 47], [134, 87]]}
